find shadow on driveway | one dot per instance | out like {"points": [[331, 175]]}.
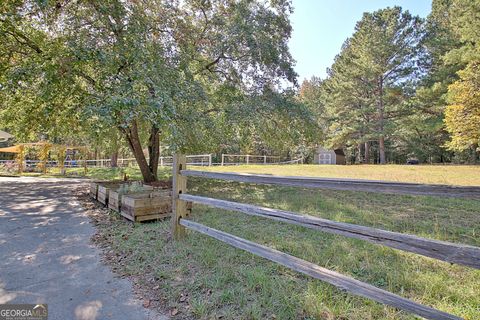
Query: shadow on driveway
{"points": [[46, 255]]}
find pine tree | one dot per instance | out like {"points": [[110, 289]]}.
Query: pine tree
{"points": [[368, 81]]}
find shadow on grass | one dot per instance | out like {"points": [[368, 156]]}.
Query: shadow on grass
{"points": [[204, 278]]}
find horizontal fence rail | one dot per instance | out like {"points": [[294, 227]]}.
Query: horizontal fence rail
{"points": [[441, 250], [239, 159], [194, 160], [342, 184], [338, 280]]}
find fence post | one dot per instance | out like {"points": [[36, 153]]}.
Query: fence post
{"points": [[209, 160], [248, 159], [223, 157], [161, 161], [264, 159], [179, 207]]}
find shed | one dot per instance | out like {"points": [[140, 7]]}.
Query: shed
{"points": [[329, 156], [5, 136], [6, 140]]}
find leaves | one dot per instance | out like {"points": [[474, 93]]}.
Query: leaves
{"points": [[186, 68], [462, 116]]}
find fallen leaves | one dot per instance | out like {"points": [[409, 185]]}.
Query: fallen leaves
{"points": [[174, 312], [183, 297], [112, 230]]}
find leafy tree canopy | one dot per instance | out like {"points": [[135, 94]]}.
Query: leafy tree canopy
{"points": [[176, 70]]}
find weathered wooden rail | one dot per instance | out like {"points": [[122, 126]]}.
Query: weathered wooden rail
{"points": [[345, 184], [441, 250]]}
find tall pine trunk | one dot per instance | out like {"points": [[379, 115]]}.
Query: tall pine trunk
{"points": [[381, 147], [367, 152], [381, 109], [359, 153]]}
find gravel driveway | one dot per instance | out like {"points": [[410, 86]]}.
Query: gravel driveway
{"points": [[46, 255]]}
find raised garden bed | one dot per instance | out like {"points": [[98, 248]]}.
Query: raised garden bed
{"points": [[147, 206], [94, 189], [115, 196], [134, 200], [95, 186], [114, 200], [104, 190]]}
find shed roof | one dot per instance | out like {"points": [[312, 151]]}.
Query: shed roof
{"points": [[5, 135]]}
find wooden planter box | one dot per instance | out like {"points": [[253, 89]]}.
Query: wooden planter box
{"points": [[147, 206], [93, 189], [115, 198], [104, 190]]}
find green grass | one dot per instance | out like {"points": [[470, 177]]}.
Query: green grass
{"points": [[204, 278], [133, 173], [431, 174]]}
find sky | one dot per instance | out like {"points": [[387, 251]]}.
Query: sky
{"points": [[321, 26]]}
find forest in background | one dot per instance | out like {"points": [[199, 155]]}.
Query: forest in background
{"points": [[405, 87]]}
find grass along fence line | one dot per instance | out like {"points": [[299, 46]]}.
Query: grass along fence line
{"points": [[345, 184], [202, 278], [461, 175], [467, 255]]}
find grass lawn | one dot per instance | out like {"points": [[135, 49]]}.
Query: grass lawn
{"points": [[203, 278], [437, 174]]}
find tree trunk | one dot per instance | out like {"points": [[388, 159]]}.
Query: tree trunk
{"points": [[114, 159], [154, 150], [359, 153], [367, 152], [131, 134], [381, 149], [381, 139]]}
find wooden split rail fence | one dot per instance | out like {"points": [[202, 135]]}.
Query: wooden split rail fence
{"points": [[441, 250]]}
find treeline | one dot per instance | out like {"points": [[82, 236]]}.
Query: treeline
{"points": [[127, 77], [405, 87], [196, 76]]}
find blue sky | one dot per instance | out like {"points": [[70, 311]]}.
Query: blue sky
{"points": [[320, 27]]}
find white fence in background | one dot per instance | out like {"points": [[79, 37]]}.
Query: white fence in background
{"points": [[192, 160], [239, 159]]}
